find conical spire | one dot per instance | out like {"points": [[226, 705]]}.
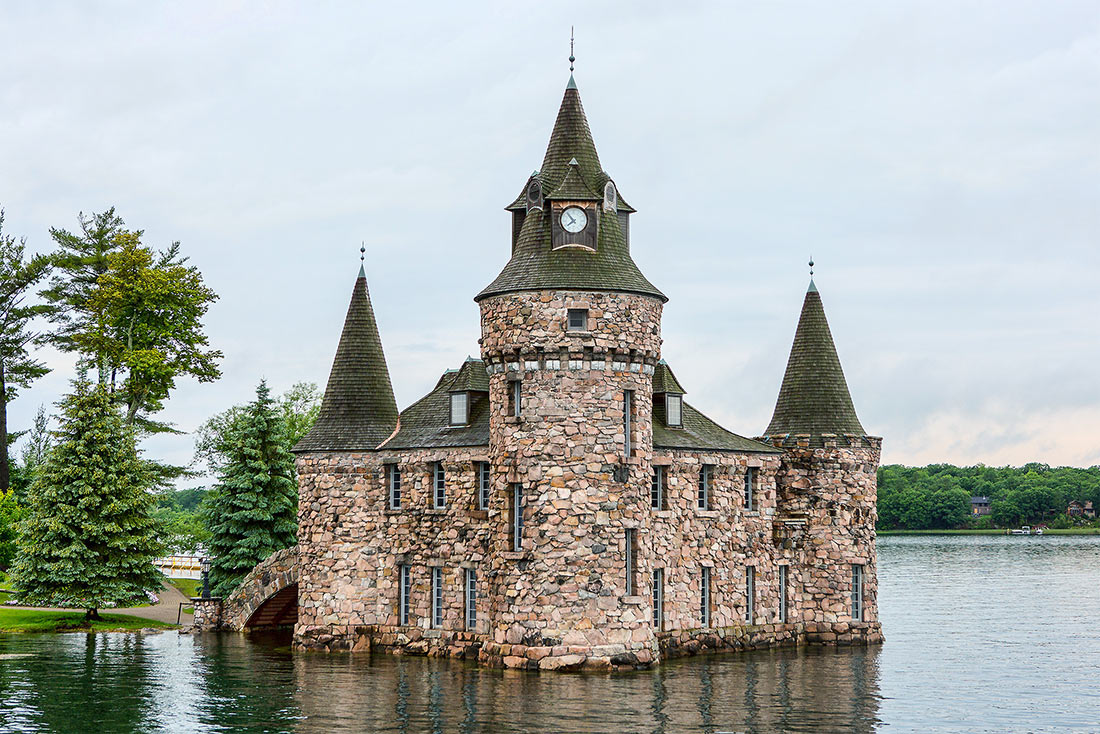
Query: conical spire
{"points": [[358, 411], [814, 398], [570, 169]]}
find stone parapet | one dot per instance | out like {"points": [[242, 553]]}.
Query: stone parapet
{"points": [[207, 614]]}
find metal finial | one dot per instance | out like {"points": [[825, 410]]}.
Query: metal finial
{"points": [[572, 58], [362, 251], [811, 266]]}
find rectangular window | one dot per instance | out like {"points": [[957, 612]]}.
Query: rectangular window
{"points": [[393, 480], [439, 481], [437, 597], [471, 598], [483, 485], [705, 478], [517, 517], [578, 319], [459, 405], [750, 480], [857, 592], [783, 594], [404, 591], [628, 411], [674, 410], [658, 598], [515, 395], [704, 597], [750, 594], [657, 489], [631, 561]]}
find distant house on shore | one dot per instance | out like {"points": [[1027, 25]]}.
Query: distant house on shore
{"points": [[979, 506], [1081, 509]]}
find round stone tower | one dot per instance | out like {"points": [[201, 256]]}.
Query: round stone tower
{"points": [[571, 335]]}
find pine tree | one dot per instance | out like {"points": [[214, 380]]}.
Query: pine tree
{"points": [[252, 512], [88, 538]]}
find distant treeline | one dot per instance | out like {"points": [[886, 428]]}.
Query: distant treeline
{"points": [[937, 496]]}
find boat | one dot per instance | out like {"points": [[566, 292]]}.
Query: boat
{"points": [[1025, 530], [1038, 531]]}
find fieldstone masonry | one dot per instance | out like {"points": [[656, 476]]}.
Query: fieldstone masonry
{"points": [[573, 417]]}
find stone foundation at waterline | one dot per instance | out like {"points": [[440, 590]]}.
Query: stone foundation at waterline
{"points": [[556, 503]]}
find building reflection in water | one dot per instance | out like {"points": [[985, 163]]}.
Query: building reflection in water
{"points": [[820, 690]]}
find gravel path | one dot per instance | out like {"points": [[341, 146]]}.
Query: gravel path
{"points": [[164, 610]]}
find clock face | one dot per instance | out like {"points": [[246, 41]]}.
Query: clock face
{"points": [[573, 220]]}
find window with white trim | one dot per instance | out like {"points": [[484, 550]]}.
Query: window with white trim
{"points": [[517, 516], [674, 409], [706, 478], [483, 478], [471, 599], [515, 398], [578, 319], [439, 483], [857, 592], [749, 491], [460, 404], [658, 600], [437, 597], [628, 415], [657, 489], [393, 482], [704, 597], [750, 594], [631, 542], [783, 570], [404, 591]]}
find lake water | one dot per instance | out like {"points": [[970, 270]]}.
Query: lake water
{"points": [[984, 634]]}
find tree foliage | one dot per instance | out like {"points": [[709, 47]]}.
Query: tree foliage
{"points": [[18, 367], [298, 407], [938, 496], [252, 512], [88, 538], [133, 313]]}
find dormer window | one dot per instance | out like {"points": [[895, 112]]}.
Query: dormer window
{"points": [[674, 410], [578, 319], [460, 404]]}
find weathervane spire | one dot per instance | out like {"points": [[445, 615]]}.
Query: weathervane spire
{"points": [[362, 255], [572, 58], [813, 286]]}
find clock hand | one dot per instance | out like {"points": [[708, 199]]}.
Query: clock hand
{"points": [[571, 219]]}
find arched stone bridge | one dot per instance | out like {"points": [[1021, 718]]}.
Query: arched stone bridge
{"points": [[266, 598]]}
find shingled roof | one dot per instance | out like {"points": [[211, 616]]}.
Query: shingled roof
{"points": [[697, 431], [426, 423], [814, 397], [534, 265], [358, 411]]}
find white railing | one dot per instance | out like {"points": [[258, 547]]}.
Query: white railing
{"points": [[180, 567]]}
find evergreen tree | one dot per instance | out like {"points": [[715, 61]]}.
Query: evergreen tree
{"points": [[88, 537], [252, 512]]}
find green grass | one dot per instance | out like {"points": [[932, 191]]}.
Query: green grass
{"points": [[188, 587], [30, 620], [1046, 531]]}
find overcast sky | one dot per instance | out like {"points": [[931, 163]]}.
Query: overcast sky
{"points": [[941, 162]]}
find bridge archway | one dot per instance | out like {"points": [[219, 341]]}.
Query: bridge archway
{"points": [[268, 596]]}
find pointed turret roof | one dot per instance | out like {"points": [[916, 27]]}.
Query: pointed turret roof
{"points": [[358, 411], [814, 397], [570, 169]]}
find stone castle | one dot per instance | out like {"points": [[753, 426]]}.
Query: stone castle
{"points": [[557, 504]]}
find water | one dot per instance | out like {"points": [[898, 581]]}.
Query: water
{"points": [[984, 634]]}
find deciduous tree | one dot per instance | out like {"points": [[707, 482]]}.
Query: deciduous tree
{"points": [[18, 368]]}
